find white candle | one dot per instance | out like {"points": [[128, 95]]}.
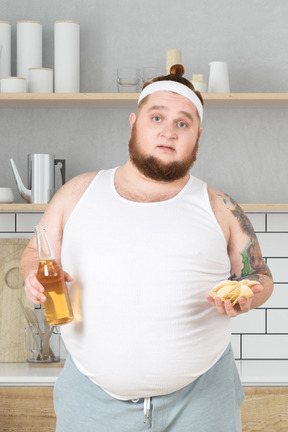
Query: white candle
{"points": [[67, 56], [5, 48], [29, 46], [173, 56]]}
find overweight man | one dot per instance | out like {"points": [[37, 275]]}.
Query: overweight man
{"points": [[142, 245]]}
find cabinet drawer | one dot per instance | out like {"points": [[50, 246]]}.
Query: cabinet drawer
{"points": [[27, 409], [265, 409]]}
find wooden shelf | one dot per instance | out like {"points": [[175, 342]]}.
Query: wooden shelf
{"points": [[19, 207], [68, 100], [246, 100], [265, 207], [128, 100]]}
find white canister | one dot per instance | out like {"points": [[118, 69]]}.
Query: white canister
{"points": [[13, 85], [40, 80], [29, 46], [173, 56], [67, 56], [218, 78], [199, 83], [5, 48]]}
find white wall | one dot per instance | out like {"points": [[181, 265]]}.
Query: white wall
{"points": [[243, 152]]}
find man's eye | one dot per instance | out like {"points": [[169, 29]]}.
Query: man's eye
{"points": [[182, 124], [156, 118]]}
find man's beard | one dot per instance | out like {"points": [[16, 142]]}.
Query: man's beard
{"points": [[154, 168]]}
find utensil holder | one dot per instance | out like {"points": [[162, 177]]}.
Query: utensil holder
{"points": [[42, 346]]}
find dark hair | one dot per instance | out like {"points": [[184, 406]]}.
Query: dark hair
{"points": [[176, 74]]}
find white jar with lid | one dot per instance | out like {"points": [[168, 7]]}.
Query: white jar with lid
{"points": [[13, 84], [199, 83], [40, 80]]}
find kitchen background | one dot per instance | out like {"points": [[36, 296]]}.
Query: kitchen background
{"points": [[242, 151]]}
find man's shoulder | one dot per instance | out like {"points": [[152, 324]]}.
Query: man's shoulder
{"points": [[225, 210], [221, 200], [82, 180], [67, 197], [73, 189]]}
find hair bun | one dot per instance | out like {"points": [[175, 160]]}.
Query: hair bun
{"points": [[177, 69]]}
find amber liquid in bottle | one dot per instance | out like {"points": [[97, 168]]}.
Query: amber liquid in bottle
{"points": [[57, 306]]}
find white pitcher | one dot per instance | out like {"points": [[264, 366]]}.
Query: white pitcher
{"points": [[218, 78]]}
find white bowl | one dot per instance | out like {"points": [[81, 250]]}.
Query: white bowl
{"points": [[6, 195]]}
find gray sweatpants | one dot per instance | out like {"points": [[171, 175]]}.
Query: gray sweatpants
{"points": [[211, 403]]}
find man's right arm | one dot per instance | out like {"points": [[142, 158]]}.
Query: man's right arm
{"points": [[54, 220]]}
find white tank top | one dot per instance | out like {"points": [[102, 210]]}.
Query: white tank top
{"points": [[141, 272]]}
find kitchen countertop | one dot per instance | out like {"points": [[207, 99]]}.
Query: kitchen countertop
{"points": [[253, 373], [29, 374]]}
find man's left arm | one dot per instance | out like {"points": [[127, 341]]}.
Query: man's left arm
{"points": [[246, 262]]}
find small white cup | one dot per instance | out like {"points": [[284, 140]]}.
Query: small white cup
{"points": [[40, 80], [13, 85], [6, 195], [199, 83]]}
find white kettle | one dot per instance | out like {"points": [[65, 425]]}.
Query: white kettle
{"points": [[218, 78]]}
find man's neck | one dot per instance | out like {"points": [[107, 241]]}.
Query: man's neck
{"points": [[131, 184]]}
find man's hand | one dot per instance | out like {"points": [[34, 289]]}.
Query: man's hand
{"points": [[35, 291], [242, 306]]}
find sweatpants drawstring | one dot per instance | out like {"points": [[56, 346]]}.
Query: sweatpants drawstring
{"points": [[146, 408]]}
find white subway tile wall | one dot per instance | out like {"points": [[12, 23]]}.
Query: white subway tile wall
{"points": [[26, 222], [258, 221], [260, 334], [265, 347], [279, 269], [272, 342], [254, 322], [277, 321], [279, 298], [7, 222], [273, 244], [277, 222]]}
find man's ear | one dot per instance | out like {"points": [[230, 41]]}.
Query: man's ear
{"points": [[132, 119]]}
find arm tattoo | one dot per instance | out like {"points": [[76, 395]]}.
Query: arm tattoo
{"points": [[253, 262]]}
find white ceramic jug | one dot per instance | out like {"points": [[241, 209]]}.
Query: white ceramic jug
{"points": [[218, 78], [41, 177]]}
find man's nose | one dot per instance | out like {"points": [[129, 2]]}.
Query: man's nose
{"points": [[169, 130]]}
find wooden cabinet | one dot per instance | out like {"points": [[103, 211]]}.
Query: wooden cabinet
{"points": [[30, 409], [27, 409], [265, 409]]}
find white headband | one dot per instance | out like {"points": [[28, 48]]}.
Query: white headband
{"points": [[175, 87]]}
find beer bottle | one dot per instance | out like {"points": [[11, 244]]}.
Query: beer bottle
{"points": [[57, 306]]}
